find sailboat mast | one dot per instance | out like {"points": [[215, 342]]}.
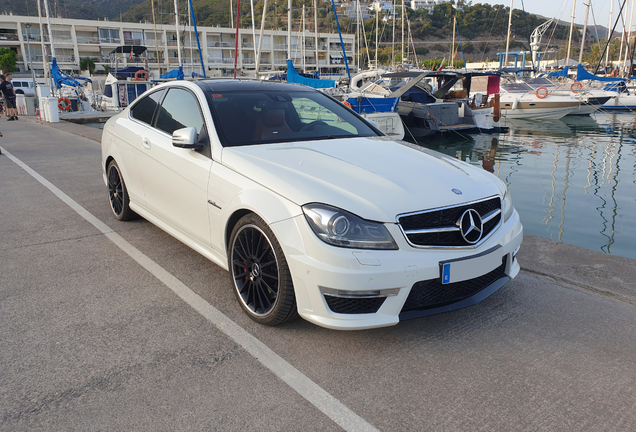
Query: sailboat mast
{"points": [[629, 37], [260, 39], [393, 36], [587, 11], [236, 38], [176, 17], [377, 18], [567, 58], [48, 24], [316, 32], [253, 30], [609, 34], [45, 60], [289, 26], [303, 42], [402, 60], [452, 57], [508, 38]]}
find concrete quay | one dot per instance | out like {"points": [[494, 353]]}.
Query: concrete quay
{"points": [[112, 326]]}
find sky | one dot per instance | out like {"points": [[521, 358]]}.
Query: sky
{"points": [[562, 9]]}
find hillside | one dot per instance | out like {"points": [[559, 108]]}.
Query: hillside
{"points": [[77, 9]]}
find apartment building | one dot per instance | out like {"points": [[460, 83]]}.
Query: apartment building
{"points": [[75, 39]]}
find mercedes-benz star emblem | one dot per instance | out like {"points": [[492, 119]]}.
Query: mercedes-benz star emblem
{"points": [[470, 226]]}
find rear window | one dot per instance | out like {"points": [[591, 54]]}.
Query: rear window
{"points": [[261, 117]]}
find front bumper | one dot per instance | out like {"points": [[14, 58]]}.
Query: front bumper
{"points": [[328, 278]]}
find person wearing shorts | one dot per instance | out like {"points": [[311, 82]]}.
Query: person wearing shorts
{"points": [[8, 94]]}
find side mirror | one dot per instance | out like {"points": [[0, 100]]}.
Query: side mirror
{"points": [[185, 138]]}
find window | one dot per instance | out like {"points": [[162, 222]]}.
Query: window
{"points": [[145, 108], [179, 109]]}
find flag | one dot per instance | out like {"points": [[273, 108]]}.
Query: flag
{"points": [[130, 56]]}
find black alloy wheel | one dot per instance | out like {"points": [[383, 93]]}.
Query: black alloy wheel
{"points": [[261, 277], [118, 194]]}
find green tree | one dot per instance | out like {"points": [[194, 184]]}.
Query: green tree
{"points": [[87, 64], [8, 60]]}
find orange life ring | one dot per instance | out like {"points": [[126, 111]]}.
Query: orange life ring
{"points": [[347, 104], [543, 94], [576, 87], [138, 75], [64, 106]]}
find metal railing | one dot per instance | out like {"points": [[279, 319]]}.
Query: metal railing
{"points": [[87, 40], [110, 40], [9, 37]]}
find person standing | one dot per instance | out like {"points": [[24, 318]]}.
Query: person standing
{"points": [[8, 94]]}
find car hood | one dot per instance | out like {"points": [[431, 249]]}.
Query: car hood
{"points": [[374, 178]]}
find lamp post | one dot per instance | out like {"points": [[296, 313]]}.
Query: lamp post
{"points": [[28, 26]]}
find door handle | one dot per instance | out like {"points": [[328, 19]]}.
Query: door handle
{"points": [[145, 142]]}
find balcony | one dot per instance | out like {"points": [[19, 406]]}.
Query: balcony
{"points": [[110, 40], [4, 37], [217, 44], [151, 43], [134, 42], [247, 45], [31, 38], [87, 40]]}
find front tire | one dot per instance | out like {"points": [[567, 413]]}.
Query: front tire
{"points": [[118, 194], [260, 274]]}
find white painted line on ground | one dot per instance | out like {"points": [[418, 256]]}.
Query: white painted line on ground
{"points": [[316, 395]]}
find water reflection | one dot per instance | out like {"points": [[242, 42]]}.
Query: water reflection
{"points": [[572, 180]]}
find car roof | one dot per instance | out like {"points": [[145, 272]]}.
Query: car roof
{"points": [[248, 85]]}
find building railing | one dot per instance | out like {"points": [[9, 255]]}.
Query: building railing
{"points": [[216, 44], [87, 40], [9, 37], [134, 42], [110, 40], [151, 43]]}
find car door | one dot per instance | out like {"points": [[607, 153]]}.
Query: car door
{"points": [[175, 179], [128, 132]]}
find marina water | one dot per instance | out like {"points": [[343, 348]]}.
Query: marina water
{"points": [[571, 180]]}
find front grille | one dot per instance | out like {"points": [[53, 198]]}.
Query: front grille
{"points": [[442, 224], [431, 294], [347, 305]]}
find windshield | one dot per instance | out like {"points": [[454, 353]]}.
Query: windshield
{"points": [[261, 117]]}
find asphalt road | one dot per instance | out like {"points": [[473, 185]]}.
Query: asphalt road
{"points": [[114, 326]]}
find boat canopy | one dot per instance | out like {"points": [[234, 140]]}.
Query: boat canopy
{"points": [[173, 74], [60, 78], [560, 74], [128, 72], [295, 77], [582, 74], [127, 49]]}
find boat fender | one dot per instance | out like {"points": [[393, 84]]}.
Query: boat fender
{"points": [[515, 103], [141, 75], [541, 92], [576, 87], [64, 103]]}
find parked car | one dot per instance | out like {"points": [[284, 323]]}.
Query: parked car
{"points": [[311, 208], [23, 86]]}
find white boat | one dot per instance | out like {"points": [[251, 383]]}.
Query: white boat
{"points": [[119, 93], [521, 101]]}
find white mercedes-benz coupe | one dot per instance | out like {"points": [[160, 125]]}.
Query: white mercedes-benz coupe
{"points": [[308, 206]]}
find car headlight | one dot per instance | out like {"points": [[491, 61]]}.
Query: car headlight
{"points": [[340, 228], [507, 207]]}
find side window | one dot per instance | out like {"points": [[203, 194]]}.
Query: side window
{"points": [[179, 109], [145, 108]]}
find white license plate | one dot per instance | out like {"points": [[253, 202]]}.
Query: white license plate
{"points": [[470, 267]]}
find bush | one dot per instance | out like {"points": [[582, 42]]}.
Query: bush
{"points": [[8, 59], [87, 64]]}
